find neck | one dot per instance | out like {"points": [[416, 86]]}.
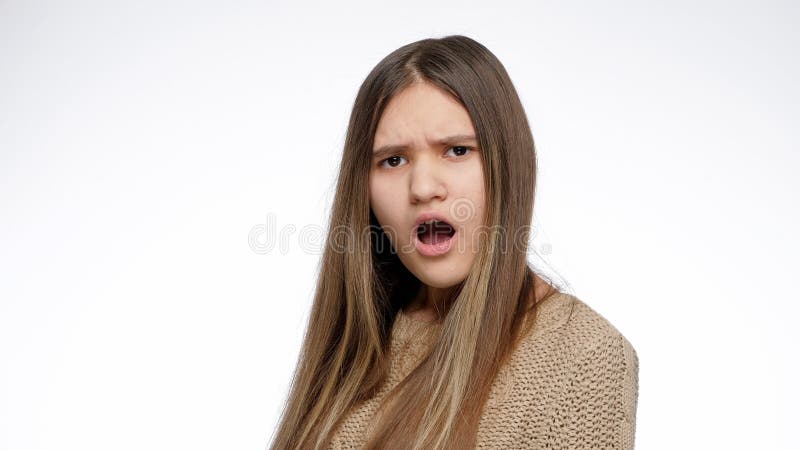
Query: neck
{"points": [[429, 299]]}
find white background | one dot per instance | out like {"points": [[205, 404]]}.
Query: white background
{"points": [[141, 142]]}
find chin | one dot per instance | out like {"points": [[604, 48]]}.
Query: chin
{"points": [[439, 282]]}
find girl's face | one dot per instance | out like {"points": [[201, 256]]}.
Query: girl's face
{"points": [[425, 166]]}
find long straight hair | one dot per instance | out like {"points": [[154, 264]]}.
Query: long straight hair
{"points": [[362, 284]]}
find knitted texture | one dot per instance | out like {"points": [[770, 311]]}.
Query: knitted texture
{"points": [[573, 382]]}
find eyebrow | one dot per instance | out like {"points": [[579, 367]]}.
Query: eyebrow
{"points": [[388, 150]]}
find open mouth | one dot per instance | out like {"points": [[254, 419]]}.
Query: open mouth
{"points": [[433, 232]]}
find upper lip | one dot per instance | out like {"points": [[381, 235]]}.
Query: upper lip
{"points": [[431, 215]]}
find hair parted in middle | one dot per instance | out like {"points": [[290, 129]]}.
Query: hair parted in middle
{"points": [[362, 284]]}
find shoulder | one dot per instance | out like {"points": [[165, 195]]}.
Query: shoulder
{"points": [[585, 364], [568, 319], [573, 342], [567, 329]]}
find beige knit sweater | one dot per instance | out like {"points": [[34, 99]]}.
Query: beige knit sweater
{"points": [[572, 383]]}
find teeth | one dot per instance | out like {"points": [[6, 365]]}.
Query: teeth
{"points": [[433, 224]]}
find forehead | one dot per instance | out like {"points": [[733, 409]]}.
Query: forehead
{"points": [[421, 112]]}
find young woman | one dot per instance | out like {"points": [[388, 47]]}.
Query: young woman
{"points": [[429, 329]]}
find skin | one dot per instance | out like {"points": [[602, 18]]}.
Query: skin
{"points": [[428, 175]]}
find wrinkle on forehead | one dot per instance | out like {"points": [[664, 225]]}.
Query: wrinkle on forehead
{"points": [[419, 114]]}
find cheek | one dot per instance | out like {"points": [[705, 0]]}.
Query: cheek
{"points": [[384, 201], [473, 191], [377, 199]]}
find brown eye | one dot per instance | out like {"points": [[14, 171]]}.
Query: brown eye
{"points": [[459, 150], [393, 161]]}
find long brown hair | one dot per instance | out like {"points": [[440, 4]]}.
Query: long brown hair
{"points": [[362, 284]]}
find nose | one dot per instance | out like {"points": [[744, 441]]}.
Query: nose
{"points": [[426, 182]]}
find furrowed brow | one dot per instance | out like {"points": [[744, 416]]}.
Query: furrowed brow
{"points": [[457, 139], [389, 150]]}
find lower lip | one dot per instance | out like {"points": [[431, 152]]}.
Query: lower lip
{"points": [[434, 249]]}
